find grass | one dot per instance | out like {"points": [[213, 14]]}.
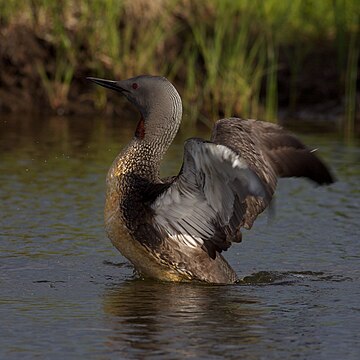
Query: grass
{"points": [[57, 82], [223, 54], [233, 65], [351, 76], [347, 22]]}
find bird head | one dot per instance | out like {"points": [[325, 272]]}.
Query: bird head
{"points": [[158, 102], [144, 91]]}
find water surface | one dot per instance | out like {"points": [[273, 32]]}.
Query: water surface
{"points": [[66, 293]]}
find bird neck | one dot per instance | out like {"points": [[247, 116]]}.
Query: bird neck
{"points": [[160, 129], [154, 134], [162, 120]]}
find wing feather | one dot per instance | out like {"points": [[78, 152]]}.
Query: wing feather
{"points": [[206, 203], [271, 152]]}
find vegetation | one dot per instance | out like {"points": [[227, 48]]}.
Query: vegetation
{"points": [[225, 55]]}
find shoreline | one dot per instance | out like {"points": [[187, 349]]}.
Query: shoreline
{"points": [[22, 87]]}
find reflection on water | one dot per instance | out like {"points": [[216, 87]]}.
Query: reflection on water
{"points": [[66, 293], [142, 311]]}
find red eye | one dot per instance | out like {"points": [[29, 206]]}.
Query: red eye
{"points": [[134, 86]]}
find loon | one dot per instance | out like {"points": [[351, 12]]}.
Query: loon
{"points": [[174, 229]]}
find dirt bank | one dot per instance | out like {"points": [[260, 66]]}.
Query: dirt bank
{"points": [[22, 87]]}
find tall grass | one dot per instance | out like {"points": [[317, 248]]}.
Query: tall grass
{"points": [[233, 65], [223, 54], [347, 23], [121, 42], [57, 82]]}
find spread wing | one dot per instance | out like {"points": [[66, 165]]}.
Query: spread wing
{"points": [[271, 152], [206, 204], [226, 183], [270, 149]]}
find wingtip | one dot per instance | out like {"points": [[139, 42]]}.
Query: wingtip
{"points": [[322, 176], [328, 180]]}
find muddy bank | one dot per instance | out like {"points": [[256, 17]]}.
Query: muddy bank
{"points": [[22, 89]]}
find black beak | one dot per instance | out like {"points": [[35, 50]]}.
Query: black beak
{"points": [[110, 84]]}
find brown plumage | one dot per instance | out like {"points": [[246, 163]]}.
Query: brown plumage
{"points": [[176, 228]]}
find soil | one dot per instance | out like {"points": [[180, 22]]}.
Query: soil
{"points": [[21, 88]]}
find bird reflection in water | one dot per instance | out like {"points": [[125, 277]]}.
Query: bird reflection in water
{"points": [[193, 320]]}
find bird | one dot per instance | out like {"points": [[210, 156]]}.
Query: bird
{"points": [[176, 228]]}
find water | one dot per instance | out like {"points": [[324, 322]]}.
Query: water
{"points": [[66, 293]]}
